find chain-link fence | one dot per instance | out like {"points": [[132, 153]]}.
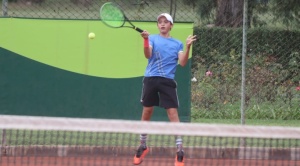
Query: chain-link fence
{"points": [[272, 68], [137, 10]]}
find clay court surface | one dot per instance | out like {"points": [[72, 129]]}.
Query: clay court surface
{"points": [[127, 161]]}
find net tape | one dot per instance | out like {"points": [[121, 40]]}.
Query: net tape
{"points": [[137, 127]]}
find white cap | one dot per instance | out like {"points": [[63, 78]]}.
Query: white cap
{"points": [[168, 17]]}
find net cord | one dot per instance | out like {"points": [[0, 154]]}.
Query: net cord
{"points": [[137, 127]]}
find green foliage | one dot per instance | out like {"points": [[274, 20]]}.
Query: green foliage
{"points": [[287, 12], [272, 43], [265, 112], [272, 73], [259, 122], [28, 1], [277, 11], [204, 8]]}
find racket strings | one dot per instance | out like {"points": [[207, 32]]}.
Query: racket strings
{"points": [[112, 15]]}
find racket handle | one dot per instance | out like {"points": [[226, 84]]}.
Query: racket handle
{"points": [[138, 29]]}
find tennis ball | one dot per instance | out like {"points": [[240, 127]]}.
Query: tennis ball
{"points": [[92, 35]]}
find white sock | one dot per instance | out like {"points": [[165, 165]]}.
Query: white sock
{"points": [[143, 139], [179, 143]]}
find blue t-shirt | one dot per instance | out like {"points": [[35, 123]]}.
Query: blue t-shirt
{"points": [[164, 58]]}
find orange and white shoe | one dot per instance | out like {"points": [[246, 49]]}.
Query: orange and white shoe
{"points": [[179, 159], [140, 154]]}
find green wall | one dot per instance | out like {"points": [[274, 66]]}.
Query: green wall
{"points": [[51, 68]]}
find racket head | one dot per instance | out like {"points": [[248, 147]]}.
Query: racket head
{"points": [[112, 15]]}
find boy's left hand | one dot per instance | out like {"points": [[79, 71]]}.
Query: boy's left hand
{"points": [[190, 39]]}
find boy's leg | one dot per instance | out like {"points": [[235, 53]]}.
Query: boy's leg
{"points": [[143, 149], [179, 159], [173, 117], [147, 113]]}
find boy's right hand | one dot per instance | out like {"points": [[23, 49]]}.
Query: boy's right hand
{"points": [[145, 34]]}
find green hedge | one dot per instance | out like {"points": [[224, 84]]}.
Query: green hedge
{"points": [[272, 73], [280, 43]]}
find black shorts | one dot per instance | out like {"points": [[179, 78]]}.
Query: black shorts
{"points": [[159, 91]]}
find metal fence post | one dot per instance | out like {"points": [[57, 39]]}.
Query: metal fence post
{"points": [[244, 52], [2, 141], [4, 7]]}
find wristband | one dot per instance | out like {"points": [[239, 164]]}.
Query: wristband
{"points": [[146, 43]]}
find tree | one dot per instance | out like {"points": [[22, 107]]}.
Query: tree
{"points": [[229, 13], [225, 13]]}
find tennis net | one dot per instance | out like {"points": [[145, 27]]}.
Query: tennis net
{"points": [[41, 141]]}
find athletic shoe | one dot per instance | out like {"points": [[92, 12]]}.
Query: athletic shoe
{"points": [[140, 154], [179, 159]]}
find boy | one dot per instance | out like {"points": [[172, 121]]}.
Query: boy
{"points": [[159, 87]]}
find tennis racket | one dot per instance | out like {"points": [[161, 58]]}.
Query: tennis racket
{"points": [[112, 16]]}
